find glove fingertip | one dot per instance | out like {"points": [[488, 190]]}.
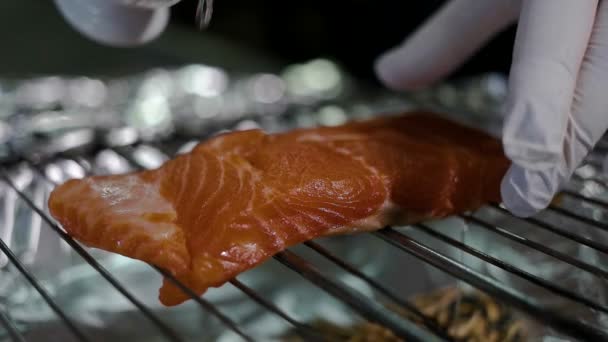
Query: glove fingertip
{"points": [[394, 70], [113, 23], [515, 203], [524, 192], [386, 71]]}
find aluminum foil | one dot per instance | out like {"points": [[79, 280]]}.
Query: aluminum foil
{"points": [[50, 120]]}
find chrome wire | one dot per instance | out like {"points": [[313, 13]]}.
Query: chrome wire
{"points": [[164, 328], [155, 319], [10, 328], [368, 309], [492, 286], [73, 327]]}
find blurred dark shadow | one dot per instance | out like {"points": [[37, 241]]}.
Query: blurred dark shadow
{"points": [[352, 32], [244, 35]]}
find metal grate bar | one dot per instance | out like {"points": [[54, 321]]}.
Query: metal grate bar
{"points": [[165, 329], [587, 220], [11, 330], [203, 303], [590, 179], [512, 269], [271, 307], [587, 199], [368, 309], [536, 246], [541, 282], [561, 232], [74, 329], [408, 329], [528, 276], [430, 323], [595, 163], [491, 286], [304, 329]]}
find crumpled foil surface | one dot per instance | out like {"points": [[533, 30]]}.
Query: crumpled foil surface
{"points": [[52, 121]]}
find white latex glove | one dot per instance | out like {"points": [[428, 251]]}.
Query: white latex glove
{"points": [[121, 23], [557, 107]]}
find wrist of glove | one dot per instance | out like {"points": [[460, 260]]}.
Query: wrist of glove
{"points": [[120, 23], [556, 109]]}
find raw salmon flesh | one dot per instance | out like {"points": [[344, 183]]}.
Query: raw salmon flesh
{"points": [[238, 198]]}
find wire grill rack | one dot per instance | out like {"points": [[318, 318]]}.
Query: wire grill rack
{"points": [[583, 204]]}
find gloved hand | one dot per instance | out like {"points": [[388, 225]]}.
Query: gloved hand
{"points": [[557, 106], [120, 23]]}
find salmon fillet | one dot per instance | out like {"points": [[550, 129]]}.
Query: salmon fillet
{"points": [[239, 198]]}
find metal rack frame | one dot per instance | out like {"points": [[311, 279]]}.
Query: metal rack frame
{"points": [[370, 310]]}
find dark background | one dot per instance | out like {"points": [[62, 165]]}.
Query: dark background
{"points": [[353, 32], [245, 35]]}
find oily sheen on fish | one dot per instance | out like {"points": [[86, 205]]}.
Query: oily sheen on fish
{"points": [[237, 199]]}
